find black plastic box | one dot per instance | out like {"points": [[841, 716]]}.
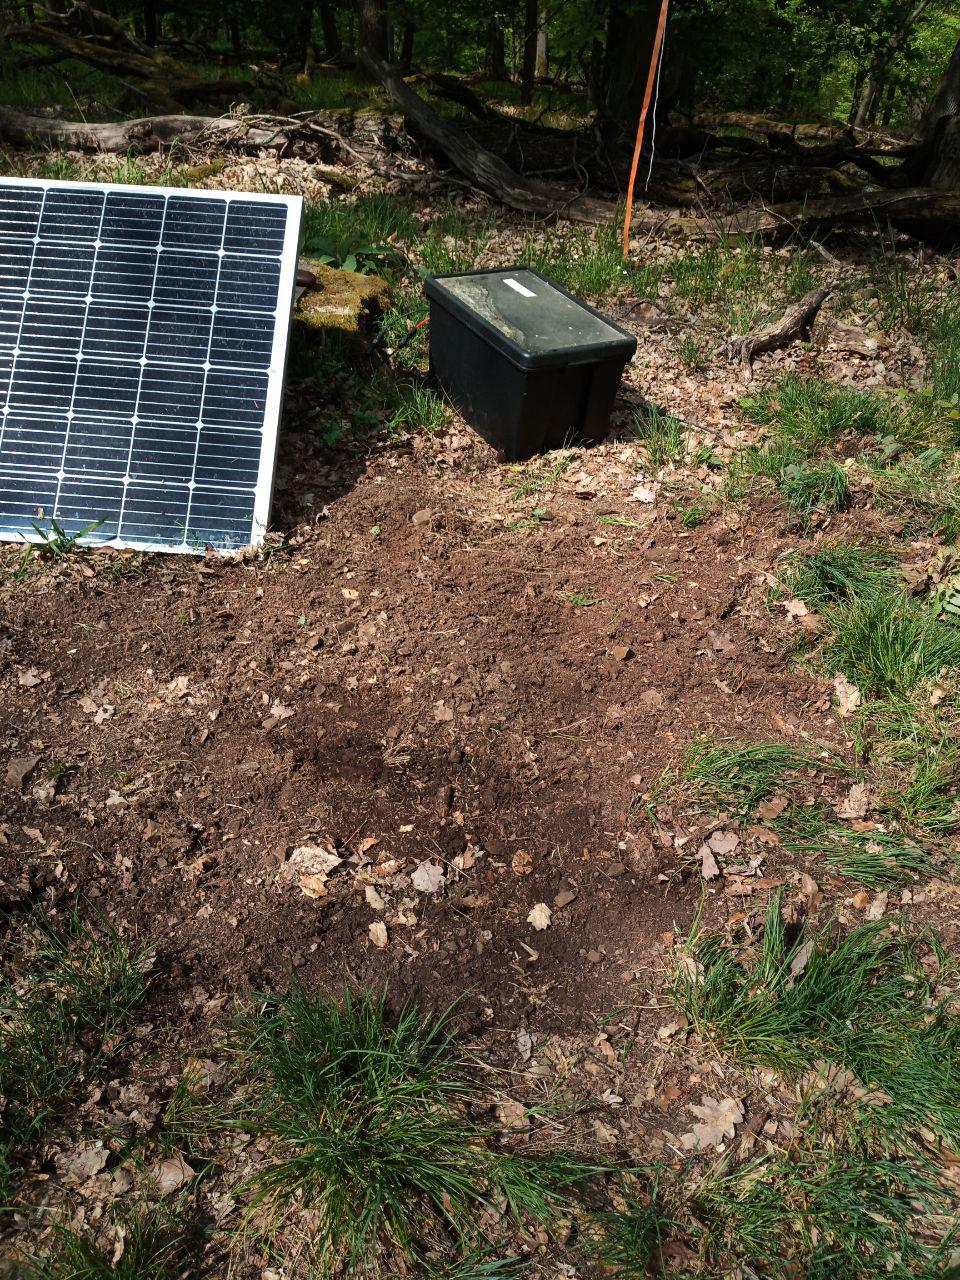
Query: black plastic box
{"points": [[527, 364]]}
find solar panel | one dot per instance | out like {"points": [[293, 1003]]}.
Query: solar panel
{"points": [[143, 338]]}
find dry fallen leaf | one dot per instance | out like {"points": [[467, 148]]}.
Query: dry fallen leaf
{"points": [[171, 1174], [373, 898], [524, 1044], [723, 842], [720, 1116], [878, 906], [772, 808], [521, 863], [427, 877], [795, 608], [378, 933], [540, 916], [855, 803], [310, 865], [83, 1162], [848, 695], [709, 867]]}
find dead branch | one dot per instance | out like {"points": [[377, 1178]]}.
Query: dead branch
{"points": [[484, 169], [796, 322]]}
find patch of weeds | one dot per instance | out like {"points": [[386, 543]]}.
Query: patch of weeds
{"points": [[191, 1115], [810, 486], [420, 408], [366, 220], [837, 573], [722, 272], [589, 264], [866, 1001], [538, 475], [369, 1130], [690, 352], [157, 1245], [618, 522], [662, 436], [924, 489], [812, 413], [830, 1215], [629, 1239], [63, 1016], [579, 599], [888, 643], [452, 243], [698, 510], [801, 276], [945, 355], [916, 749], [907, 298], [55, 543], [738, 775]]}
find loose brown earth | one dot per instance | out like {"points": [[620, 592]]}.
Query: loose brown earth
{"points": [[409, 682]]}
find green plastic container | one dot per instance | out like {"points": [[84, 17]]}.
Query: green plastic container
{"points": [[527, 364]]}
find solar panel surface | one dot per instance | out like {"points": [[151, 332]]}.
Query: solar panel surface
{"points": [[143, 338]]}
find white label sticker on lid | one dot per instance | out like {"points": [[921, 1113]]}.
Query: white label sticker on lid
{"points": [[520, 288]]}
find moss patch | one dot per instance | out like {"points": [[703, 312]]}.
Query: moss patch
{"points": [[342, 300]]}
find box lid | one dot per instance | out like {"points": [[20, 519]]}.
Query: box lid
{"points": [[535, 323]]}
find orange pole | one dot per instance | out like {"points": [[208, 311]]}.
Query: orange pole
{"points": [[648, 94]]}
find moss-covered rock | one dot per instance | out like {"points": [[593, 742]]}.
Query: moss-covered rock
{"points": [[341, 300]]}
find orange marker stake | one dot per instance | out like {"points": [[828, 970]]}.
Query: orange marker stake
{"points": [[648, 94]]}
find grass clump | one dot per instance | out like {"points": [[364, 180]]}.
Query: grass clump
{"points": [[420, 408], [888, 643], [662, 436], [837, 573], [63, 1013], [925, 489], [877, 859], [157, 1244], [370, 1132], [864, 1002], [738, 775]]}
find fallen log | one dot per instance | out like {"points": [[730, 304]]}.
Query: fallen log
{"points": [[922, 210], [796, 322], [484, 169], [146, 134]]}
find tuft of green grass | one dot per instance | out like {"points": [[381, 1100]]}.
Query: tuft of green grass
{"points": [[810, 485], [369, 1130], [62, 1019], [866, 1001], [57, 543], [924, 488], [540, 474], [812, 412], [662, 436], [888, 643], [738, 775], [157, 1244], [877, 859], [837, 573], [420, 408]]}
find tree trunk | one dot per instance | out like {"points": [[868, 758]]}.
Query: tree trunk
{"points": [[151, 23], [531, 29], [941, 145], [631, 29], [406, 48], [372, 27], [304, 32], [496, 51], [233, 32], [542, 61], [328, 25], [873, 85]]}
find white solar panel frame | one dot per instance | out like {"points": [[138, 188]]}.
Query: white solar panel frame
{"points": [[276, 372]]}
